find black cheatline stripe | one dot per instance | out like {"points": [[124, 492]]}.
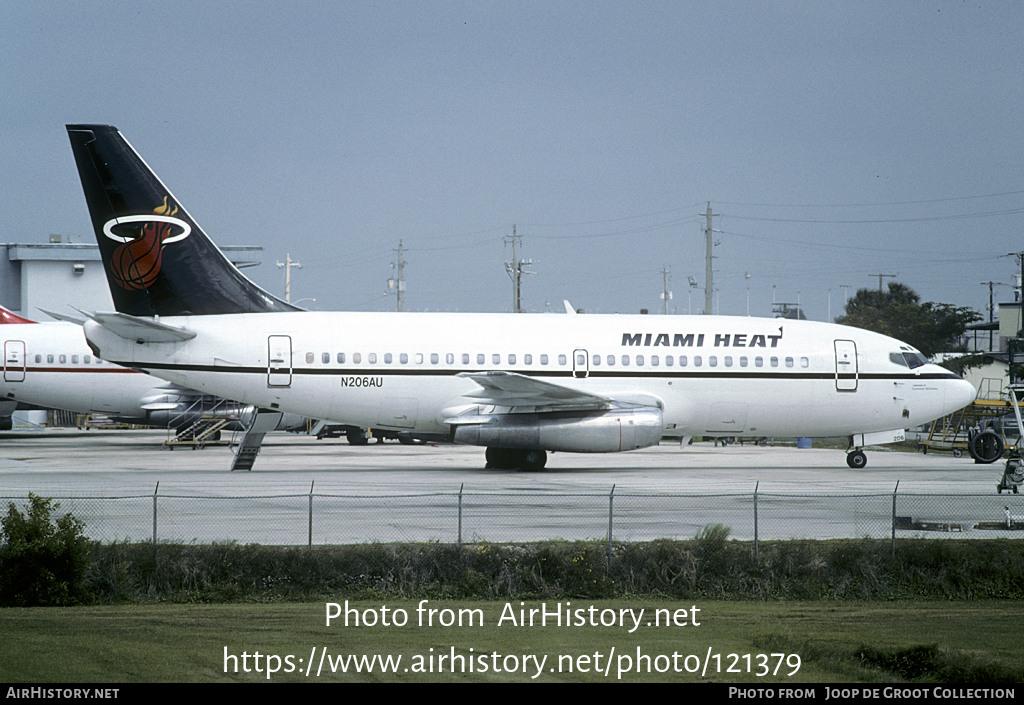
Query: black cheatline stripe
{"points": [[388, 372]]}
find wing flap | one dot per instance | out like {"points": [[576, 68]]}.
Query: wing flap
{"points": [[509, 389]]}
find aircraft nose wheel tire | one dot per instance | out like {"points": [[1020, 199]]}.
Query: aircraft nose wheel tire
{"points": [[856, 459]]}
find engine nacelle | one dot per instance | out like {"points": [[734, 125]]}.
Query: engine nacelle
{"points": [[574, 432]]}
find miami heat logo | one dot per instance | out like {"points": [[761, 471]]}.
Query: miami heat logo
{"points": [[135, 263]]}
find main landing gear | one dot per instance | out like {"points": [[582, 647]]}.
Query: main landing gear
{"points": [[856, 459], [514, 458]]}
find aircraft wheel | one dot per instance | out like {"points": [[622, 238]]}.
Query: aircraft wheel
{"points": [[502, 458], [534, 460], [857, 459], [986, 447], [357, 438]]}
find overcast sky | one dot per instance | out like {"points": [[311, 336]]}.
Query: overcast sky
{"points": [[835, 140]]}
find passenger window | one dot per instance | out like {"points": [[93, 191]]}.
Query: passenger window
{"points": [[611, 360], [543, 359], [49, 359], [697, 361], [74, 359], [804, 362], [639, 360], [669, 360], [758, 361], [309, 358], [495, 359], [418, 357], [511, 359], [625, 360], [341, 358], [712, 361], [434, 358], [480, 359], [654, 360], [63, 359], [325, 358], [789, 362], [743, 361], [388, 358], [562, 360], [39, 358], [356, 358], [774, 362], [527, 359], [87, 359], [597, 360], [465, 358], [372, 358], [728, 361], [403, 358]]}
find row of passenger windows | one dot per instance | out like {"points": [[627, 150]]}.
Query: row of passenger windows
{"points": [[63, 359], [435, 359], [497, 360]]}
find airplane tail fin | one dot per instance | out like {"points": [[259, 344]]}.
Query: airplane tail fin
{"points": [[158, 261], [11, 317]]}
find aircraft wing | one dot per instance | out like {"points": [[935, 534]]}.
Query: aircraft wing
{"points": [[515, 390]]}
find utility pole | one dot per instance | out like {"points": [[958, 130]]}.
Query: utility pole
{"points": [[666, 294], [515, 272], [891, 276], [991, 308], [288, 264], [398, 283], [708, 275]]}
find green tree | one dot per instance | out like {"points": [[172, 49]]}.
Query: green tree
{"points": [[930, 327], [42, 562]]}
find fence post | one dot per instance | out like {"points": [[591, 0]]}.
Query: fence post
{"points": [[608, 557], [460, 512], [756, 485], [155, 490], [895, 490], [310, 544]]}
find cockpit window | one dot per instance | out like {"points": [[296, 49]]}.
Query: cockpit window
{"points": [[914, 360], [897, 358]]}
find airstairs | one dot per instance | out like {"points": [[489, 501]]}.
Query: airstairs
{"points": [[202, 422]]}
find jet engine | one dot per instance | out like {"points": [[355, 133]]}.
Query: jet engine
{"points": [[604, 431]]}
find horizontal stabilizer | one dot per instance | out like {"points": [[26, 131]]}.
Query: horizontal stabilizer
{"points": [[140, 329], [64, 317]]}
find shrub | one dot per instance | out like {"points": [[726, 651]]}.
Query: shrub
{"points": [[42, 562]]}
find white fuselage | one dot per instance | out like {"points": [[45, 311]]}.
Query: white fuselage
{"points": [[710, 375], [50, 365]]}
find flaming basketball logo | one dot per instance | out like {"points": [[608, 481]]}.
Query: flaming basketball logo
{"points": [[135, 263]]}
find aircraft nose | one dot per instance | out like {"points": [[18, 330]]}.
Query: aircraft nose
{"points": [[959, 393]]}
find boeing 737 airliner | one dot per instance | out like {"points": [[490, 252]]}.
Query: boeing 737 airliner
{"points": [[518, 384]]}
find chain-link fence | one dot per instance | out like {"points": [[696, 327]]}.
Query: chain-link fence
{"points": [[460, 517]]}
